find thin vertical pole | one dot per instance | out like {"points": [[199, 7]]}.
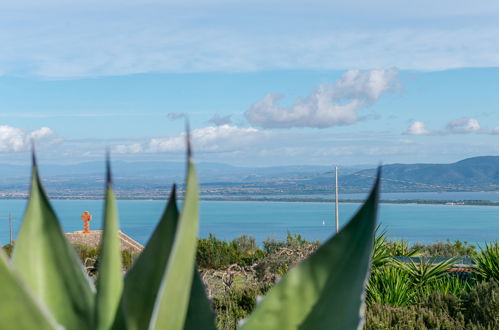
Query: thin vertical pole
{"points": [[337, 212], [10, 225]]}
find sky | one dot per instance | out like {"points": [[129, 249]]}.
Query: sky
{"points": [[261, 83]]}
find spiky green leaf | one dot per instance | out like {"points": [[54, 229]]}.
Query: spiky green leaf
{"points": [[326, 291], [143, 281], [49, 265], [173, 297], [110, 278], [20, 309], [199, 314]]}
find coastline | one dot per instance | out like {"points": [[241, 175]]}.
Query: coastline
{"points": [[284, 200]]}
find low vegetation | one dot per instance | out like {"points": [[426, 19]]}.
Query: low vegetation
{"points": [[413, 294], [419, 293]]}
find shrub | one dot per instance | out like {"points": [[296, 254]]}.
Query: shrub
{"points": [[481, 305], [381, 317], [447, 249], [390, 286], [215, 254], [487, 262]]}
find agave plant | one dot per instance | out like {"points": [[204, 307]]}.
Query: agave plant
{"points": [[45, 286], [390, 286], [385, 251], [487, 262], [426, 270]]}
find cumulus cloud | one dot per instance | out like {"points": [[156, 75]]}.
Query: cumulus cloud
{"points": [[417, 128], [464, 126], [328, 105], [221, 138], [456, 126], [13, 139], [220, 120]]}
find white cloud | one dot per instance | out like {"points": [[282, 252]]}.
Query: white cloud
{"points": [[159, 36], [417, 128], [328, 105], [223, 138], [464, 126], [456, 126], [128, 148], [13, 139]]}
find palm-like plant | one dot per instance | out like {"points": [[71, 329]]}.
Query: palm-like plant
{"points": [[390, 286], [487, 262], [426, 270]]}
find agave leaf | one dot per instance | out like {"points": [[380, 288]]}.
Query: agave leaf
{"points": [[173, 297], [20, 309], [199, 314], [49, 265], [143, 280], [110, 279], [326, 291]]}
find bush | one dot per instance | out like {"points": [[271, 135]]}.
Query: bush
{"points": [[488, 262], [447, 249], [234, 305], [215, 254], [481, 305], [410, 317], [390, 286], [293, 242], [477, 309]]}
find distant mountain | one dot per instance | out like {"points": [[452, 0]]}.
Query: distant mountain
{"points": [[152, 179], [477, 173]]}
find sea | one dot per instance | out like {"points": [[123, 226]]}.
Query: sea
{"points": [[263, 220]]}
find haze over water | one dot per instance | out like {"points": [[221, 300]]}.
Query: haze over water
{"points": [[227, 220]]}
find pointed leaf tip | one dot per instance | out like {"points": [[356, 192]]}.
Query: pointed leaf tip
{"points": [[188, 139], [109, 178], [33, 154]]}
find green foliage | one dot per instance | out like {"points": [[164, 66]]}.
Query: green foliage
{"points": [[390, 286], [293, 241], [215, 254], [384, 250], [487, 262], [426, 270], [235, 304], [48, 265], [481, 305], [477, 309], [447, 249], [47, 287]]}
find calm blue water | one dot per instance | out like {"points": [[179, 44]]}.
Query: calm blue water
{"points": [[227, 220]]}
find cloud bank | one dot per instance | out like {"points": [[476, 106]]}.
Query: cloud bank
{"points": [[328, 105], [456, 126], [223, 138], [232, 36], [13, 139]]}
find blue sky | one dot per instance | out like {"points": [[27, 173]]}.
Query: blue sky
{"points": [[263, 82]]}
